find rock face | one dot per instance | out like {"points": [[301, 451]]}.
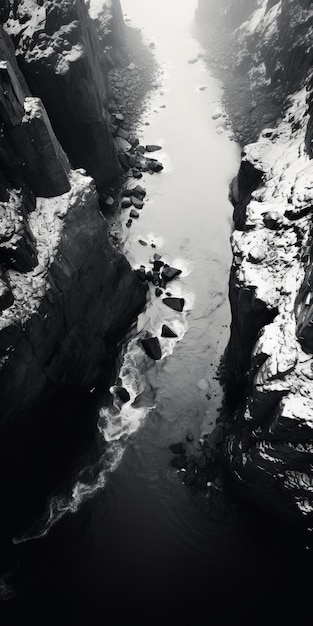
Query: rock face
{"points": [[66, 295], [269, 363], [64, 64]]}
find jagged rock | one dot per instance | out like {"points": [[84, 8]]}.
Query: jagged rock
{"points": [[151, 346], [94, 294], [75, 104], [168, 273], [158, 292], [154, 165], [177, 304], [167, 332]]}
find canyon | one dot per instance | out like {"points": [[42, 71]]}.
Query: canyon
{"points": [[99, 378]]}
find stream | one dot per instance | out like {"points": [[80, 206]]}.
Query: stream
{"points": [[141, 547]]}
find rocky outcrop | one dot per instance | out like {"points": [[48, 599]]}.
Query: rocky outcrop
{"points": [[69, 310], [66, 295], [61, 57], [269, 364]]}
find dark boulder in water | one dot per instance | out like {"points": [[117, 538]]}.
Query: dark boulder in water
{"points": [[152, 348], [123, 394], [168, 332], [177, 304], [154, 165], [168, 273], [152, 148]]}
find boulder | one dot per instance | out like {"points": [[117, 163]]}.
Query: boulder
{"points": [[177, 304], [138, 204], [152, 148], [154, 165], [168, 273], [139, 192], [134, 213], [168, 332], [123, 394], [126, 203], [152, 348], [157, 265]]}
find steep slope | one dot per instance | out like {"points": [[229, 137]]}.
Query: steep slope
{"points": [[269, 363], [66, 295], [63, 61]]}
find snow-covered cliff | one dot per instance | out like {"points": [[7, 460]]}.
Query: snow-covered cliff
{"points": [[269, 363]]}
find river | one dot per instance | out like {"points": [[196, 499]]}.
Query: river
{"points": [[145, 549]]}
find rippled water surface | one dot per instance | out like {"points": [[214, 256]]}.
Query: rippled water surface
{"points": [[145, 549]]}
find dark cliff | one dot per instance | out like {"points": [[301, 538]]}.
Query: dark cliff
{"points": [[66, 295], [269, 361], [63, 61]]}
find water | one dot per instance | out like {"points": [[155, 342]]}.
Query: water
{"points": [[139, 547]]}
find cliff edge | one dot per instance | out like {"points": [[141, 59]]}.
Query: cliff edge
{"points": [[66, 295], [269, 364]]}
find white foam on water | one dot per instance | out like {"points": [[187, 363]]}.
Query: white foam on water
{"points": [[118, 421]]}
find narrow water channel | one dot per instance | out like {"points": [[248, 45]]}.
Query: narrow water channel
{"points": [[145, 549]]}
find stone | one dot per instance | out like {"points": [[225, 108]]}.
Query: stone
{"points": [[109, 201], [178, 448], [129, 223], [119, 117], [169, 273], [123, 133], [138, 204], [139, 192], [154, 165], [158, 292], [189, 436], [134, 213], [152, 348], [141, 273], [152, 148], [177, 304], [168, 332], [195, 60], [157, 265], [126, 203], [123, 394], [143, 243], [257, 254]]}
